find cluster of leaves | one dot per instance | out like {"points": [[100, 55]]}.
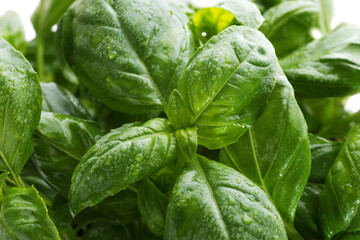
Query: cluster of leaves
{"points": [[161, 120]]}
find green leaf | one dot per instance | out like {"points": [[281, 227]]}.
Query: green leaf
{"points": [[275, 153], [288, 25], [212, 20], [339, 202], [213, 201], [48, 13], [306, 220], [226, 85], [24, 216], [60, 142], [152, 205], [130, 63], [245, 12], [177, 109], [120, 158], [20, 107], [323, 155], [187, 141], [326, 67], [12, 30], [105, 230], [58, 99]]}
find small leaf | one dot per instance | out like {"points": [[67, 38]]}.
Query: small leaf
{"points": [[187, 141], [20, 108], [226, 85], [58, 99], [24, 216], [213, 201], [152, 205], [12, 30], [323, 155], [120, 158], [3, 176], [60, 142]]}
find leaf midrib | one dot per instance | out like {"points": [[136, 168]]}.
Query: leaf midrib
{"points": [[162, 98]]}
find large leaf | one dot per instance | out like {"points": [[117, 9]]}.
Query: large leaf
{"points": [[12, 30], [326, 67], [60, 142], [226, 85], [24, 216], [288, 25], [339, 202], [275, 153], [20, 107], [213, 201], [129, 53], [58, 99], [120, 158]]}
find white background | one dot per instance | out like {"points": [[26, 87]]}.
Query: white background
{"points": [[345, 11]]}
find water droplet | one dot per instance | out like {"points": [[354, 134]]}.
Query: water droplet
{"points": [[244, 207], [112, 55], [247, 220], [139, 157]]}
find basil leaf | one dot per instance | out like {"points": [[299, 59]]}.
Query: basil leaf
{"points": [[306, 220], [120, 158], [60, 142], [58, 99], [187, 141], [323, 155], [226, 85], [24, 216], [339, 202], [48, 13], [152, 205], [130, 63], [288, 25], [12, 30], [326, 67], [245, 12], [104, 229], [275, 153], [20, 107], [212, 201]]}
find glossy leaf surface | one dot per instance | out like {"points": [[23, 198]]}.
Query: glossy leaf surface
{"points": [[20, 107], [339, 202], [187, 141], [120, 158], [326, 67], [34, 222], [307, 218], [152, 205], [60, 142], [12, 30], [213, 201], [227, 83], [275, 153], [323, 155], [288, 25], [57, 99], [130, 54]]}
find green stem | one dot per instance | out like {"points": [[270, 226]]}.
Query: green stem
{"points": [[40, 56], [17, 179]]}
